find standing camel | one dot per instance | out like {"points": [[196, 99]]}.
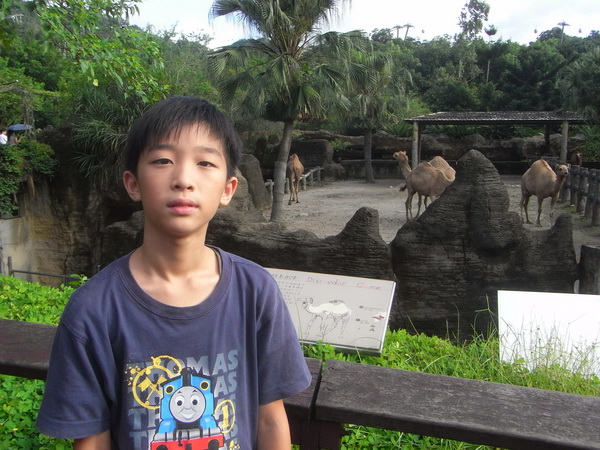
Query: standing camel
{"points": [[294, 172], [540, 180], [577, 158], [429, 179]]}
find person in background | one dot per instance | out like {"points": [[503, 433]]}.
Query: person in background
{"points": [[3, 137], [13, 139]]}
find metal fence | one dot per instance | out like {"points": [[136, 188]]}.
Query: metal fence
{"points": [[311, 177], [65, 278]]}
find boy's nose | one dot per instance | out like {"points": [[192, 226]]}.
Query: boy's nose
{"points": [[182, 180]]}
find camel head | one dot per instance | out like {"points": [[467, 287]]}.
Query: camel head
{"points": [[562, 170], [400, 156]]}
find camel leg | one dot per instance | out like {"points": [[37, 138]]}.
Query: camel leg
{"points": [[552, 203], [540, 201], [296, 190], [419, 205], [524, 205], [408, 205]]}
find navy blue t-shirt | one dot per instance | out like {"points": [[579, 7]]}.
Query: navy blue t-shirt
{"points": [[156, 375]]}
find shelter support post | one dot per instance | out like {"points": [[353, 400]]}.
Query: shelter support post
{"points": [[547, 139], [416, 144], [564, 141]]}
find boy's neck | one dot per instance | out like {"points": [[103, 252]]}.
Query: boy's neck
{"points": [[183, 275]]}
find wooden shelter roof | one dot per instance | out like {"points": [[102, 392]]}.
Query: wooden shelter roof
{"points": [[497, 118]]}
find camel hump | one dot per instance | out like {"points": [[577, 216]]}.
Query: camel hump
{"points": [[542, 162], [440, 163], [294, 165], [439, 172]]}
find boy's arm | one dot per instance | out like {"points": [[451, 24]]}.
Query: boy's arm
{"points": [[97, 442], [273, 427]]}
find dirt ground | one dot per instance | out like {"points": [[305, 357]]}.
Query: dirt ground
{"points": [[325, 208]]}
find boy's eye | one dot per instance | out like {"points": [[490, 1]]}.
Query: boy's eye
{"points": [[206, 164], [161, 161]]}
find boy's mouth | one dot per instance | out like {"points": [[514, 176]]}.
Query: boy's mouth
{"points": [[182, 206]]}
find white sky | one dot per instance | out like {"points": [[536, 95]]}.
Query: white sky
{"points": [[516, 20]]}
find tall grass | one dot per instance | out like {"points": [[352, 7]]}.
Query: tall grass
{"points": [[477, 360]]}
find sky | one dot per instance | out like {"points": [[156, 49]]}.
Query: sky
{"points": [[518, 20]]}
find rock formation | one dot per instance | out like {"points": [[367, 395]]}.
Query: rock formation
{"points": [[448, 264], [250, 169], [467, 245]]}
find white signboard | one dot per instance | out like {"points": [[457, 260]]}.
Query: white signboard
{"points": [[542, 329], [347, 312]]}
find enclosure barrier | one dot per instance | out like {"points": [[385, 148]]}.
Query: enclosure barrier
{"points": [[65, 278], [583, 192], [342, 392], [311, 177]]}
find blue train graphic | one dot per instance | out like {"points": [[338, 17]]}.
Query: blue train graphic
{"points": [[186, 415]]}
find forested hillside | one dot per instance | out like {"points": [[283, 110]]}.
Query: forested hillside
{"points": [[79, 64]]}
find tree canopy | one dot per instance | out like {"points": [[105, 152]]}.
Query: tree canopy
{"points": [[80, 62]]}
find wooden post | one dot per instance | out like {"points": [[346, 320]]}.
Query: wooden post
{"points": [[582, 189], [574, 183], [589, 269], [564, 142], [416, 145], [592, 186], [596, 195]]}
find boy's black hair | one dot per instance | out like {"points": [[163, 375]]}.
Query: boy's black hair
{"points": [[170, 116]]}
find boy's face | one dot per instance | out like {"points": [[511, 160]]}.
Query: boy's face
{"points": [[181, 182]]}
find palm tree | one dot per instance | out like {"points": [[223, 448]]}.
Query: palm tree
{"points": [[580, 85], [375, 97], [285, 72], [490, 31]]}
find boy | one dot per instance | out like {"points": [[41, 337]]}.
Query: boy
{"points": [[178, 344]]}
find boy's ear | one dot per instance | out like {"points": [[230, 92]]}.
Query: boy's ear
{"points": [[229, 190], [131, 186]]}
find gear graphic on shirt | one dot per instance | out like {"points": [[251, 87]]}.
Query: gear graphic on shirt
{"points": [[146, 380]]}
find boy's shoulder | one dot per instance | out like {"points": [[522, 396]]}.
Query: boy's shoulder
{"points": [[243, 265], [110, 278], [246, 275]]}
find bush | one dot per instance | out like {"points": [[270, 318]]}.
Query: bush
{"points": [[591, 148], [20, 163], [21, 398], [31, 302]]}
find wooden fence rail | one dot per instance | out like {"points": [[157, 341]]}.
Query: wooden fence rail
{"points": [[342, 392], [311, 177], [582, 190]]}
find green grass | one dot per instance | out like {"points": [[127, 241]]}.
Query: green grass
{"points": [[20, 398]]}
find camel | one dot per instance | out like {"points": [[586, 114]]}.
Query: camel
{"points": [[540, 180], [576, 158], [332, 314], [429, 179], [294, 172]]}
